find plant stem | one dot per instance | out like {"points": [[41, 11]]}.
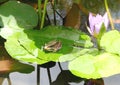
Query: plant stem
{"points": [[109, 15], [39, 11], [38, 74], [44, 13], [98, 44]]}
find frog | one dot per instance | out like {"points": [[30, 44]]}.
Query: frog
{"points": [[53, 46]]}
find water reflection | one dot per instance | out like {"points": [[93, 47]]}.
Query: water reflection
{"points": [[3, 77], [9, 65], [64, 76], [47, 66], [94, 82]]}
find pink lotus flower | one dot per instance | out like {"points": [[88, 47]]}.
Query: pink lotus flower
{"points": [[96, 22]]}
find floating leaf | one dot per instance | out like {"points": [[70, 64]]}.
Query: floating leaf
{"points": [[110, 40], [23, 49], [28, 45], [14, 16], [78, 52], [59, 32], [25, 15], [68, 37], [91, 66]]}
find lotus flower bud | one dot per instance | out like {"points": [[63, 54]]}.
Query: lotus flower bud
{"points": [[96, 22]]}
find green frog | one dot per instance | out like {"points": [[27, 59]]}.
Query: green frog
{"points": [[53, 46]]}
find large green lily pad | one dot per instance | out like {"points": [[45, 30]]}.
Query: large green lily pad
{"points": [[28, 45], [89, 66]]}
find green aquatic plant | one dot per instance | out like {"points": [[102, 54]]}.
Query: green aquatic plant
{"points": [[43, 15], [100, 62], [84, 60]]}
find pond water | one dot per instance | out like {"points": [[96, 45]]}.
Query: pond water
{"points": [[57, 77]]}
